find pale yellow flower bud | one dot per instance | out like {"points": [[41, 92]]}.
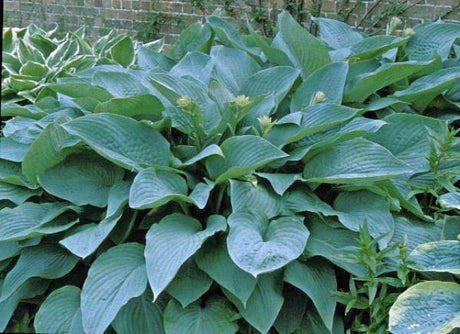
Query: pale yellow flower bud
{"points": [[319, 97], [242, 101], [265, 123], [408, 32], [184, 101]]}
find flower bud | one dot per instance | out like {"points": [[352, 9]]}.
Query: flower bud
{"points": [[184, 101], [242, 101], [408, 32], [318, 98], [265, 123], [395, 23]]}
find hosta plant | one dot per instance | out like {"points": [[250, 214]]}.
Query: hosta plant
{"points": [[237, 184]]}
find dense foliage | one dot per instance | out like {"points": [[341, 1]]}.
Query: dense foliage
{"points": [[235, 184]]}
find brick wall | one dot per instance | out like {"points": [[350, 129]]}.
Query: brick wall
{"points": [[147, 20]]}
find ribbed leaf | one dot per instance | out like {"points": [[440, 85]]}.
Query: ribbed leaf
{"points": [[194, 64], [122, 140], [355, 208], [44, 261], [441, 256], [243, 154], [154, 187], [60, 312], [360, 87], [12, 150], [336, 73], [354, 160], [171, 242], [139, 316], [427, 307], [123, 51], [213, 258], [32, 219], [423, 90], [317, 279], [215, 316], [407, 137], [113, 279], [305, 51], [82, 179], [87, 239], [450, 200], [131, 106], [189, 284], [264, 305], [119, 84], [433, 38], [337, 34], [374, 46], [15, 194], [196, 37], [258, 246], [280, 182]]}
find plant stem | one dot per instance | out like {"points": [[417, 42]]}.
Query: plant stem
{"points": [[184, 208], [219, 198]]}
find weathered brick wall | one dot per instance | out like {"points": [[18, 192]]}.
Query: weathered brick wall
{"points": [[166, 18]]}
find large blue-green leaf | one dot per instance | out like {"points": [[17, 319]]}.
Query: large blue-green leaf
{"points": [[154, 187], [213, 258], [119, 84], [123, 51], [337, 34], [407, 137], [82, 179], [450, 200], [12, 150], [441, 256], [33, 219], [16, 194], [280, 182], [171, 242], [196, 37], [264, 305], [426, 307], [113, 279], [87, 239], [131, 106], [139, 316], [243, 154], [317, 279], [374, 46], [329, 79], [60, 312], [305, 51], [355, 208], [215, 316], [293, 310], [122, 140], [258, 246], [432, 38], [354, 160], [194, 65], [44, 261]]}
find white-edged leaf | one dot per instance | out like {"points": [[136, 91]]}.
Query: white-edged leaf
{"points": [[354, 160], [173, 241], [215, 316], [82, 179], [317, 279], [60, 312], [44, 261], [154, 187], [122, 140], [213, 259], [139, 316], [450, 200], [439, 256], [426, 307], [113, 279], [258, 246]]}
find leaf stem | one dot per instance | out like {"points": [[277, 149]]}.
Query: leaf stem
{"points": [[184, 208], [219, 198]]}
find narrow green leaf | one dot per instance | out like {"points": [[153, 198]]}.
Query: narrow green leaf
{"points": [[122, 140], [123, 51], [439, 256], [354, 160], [60, 312], [215, 316], [44, 261], [317, 279], [243, 154], [139, 316], [196, 37], [171, 242], [114, 278], [213, 259], [426, 307], [264, 305], [258, 246], [305, 51]]}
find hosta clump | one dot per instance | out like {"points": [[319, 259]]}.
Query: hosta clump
{"points": [[238, 184]]}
